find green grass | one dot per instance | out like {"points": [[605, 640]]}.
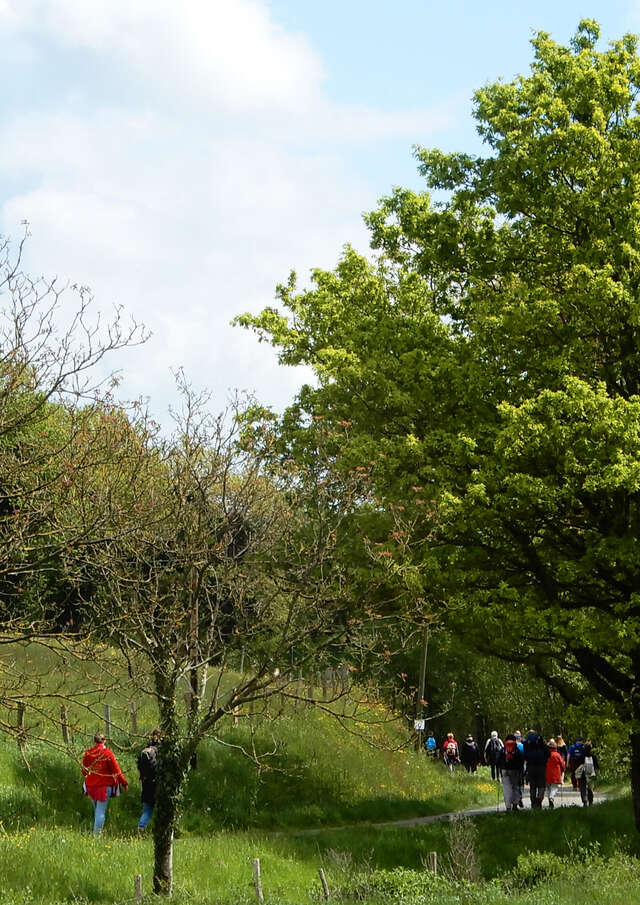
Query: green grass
{"points": [[315, 774], [313, 771], [316, 777], [62, 864]]}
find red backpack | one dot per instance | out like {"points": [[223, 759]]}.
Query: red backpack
{"points": [[512, 754]]}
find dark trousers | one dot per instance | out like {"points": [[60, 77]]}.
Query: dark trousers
{"points": [[586, 792], [537, 783]]}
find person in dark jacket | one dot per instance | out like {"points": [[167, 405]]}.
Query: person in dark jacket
{"points": [[585, 774], [535, 756], [147, 770], [575, 759], [470, 755]]}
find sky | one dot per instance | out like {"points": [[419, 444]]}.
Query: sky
{"points": [[182, 158]]}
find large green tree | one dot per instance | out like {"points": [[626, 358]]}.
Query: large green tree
{"points": [[487, 359]]}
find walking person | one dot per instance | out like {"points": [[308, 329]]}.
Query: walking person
{"points": [[470, 755], [585, 774], [536, 754], [563, 751], [575, 759], [450, 752], [431, 745], [511, 761], [492, 748], [554, 771], [103, 779], [147, 771], [518, 737]]}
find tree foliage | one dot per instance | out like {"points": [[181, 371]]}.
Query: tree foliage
{"points": [[488, 357]]}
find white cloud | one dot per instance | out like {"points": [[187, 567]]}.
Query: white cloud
{"points": [[187, 213], [229, 53]]}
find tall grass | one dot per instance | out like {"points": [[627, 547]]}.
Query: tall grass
{"points": [[60, 864], [312, 773]]}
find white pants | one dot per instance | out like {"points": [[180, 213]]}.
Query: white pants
{"points": [[552, 789]]}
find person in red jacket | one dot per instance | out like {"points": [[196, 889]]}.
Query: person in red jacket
{"points": [[554, 770], [450, 752], [103, 778]]}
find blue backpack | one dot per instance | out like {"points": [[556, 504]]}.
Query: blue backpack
{"points": [[430, 743]]}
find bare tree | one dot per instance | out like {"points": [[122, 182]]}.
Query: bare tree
{"points": [[54, 349], [215, 554]]}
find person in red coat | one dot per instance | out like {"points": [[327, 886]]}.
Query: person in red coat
{"points": [[554, 770], [103, 778]]}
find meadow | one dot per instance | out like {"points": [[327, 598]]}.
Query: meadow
{"points": [[324, 782]]}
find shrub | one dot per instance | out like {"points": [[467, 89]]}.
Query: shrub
{"points": [[535, 868]]}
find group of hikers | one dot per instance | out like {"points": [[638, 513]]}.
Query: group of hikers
{"points": [[517, 761], [103, 778]]}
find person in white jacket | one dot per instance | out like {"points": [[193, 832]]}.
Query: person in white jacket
{"points": [[492, 749]]}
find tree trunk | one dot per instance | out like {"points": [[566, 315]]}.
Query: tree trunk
{"points": [[635, 775], [172, 770], [163, 863]]}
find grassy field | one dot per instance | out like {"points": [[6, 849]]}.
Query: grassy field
{"points": [[519, 855], [318, 774]]}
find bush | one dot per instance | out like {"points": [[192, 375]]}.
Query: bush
{"points": [[399, 885], [535, 868]]}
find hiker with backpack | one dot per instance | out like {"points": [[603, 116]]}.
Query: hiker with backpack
{"points": [[470, 755], [585, 774], [575, 759], [431, 745], [492, 748], [450, 752], [536, 755], [147, 770], [511, 762]]}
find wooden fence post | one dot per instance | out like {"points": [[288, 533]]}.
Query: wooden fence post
{"points": [[257, 880], [325, 887], [64, 724], [137, 885], [432, 862]]}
